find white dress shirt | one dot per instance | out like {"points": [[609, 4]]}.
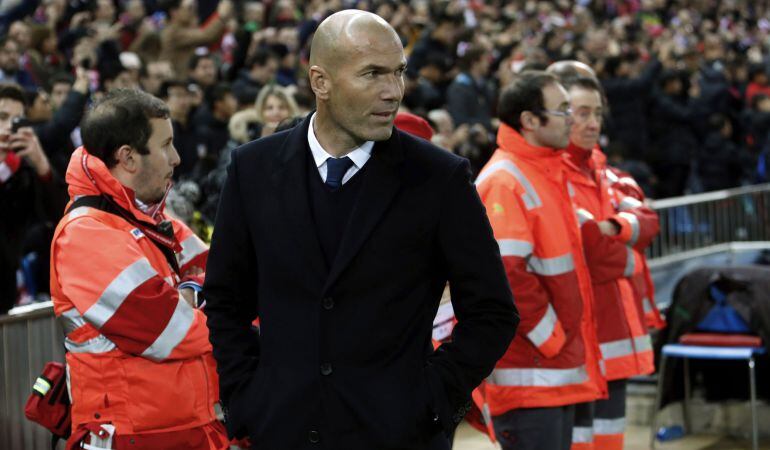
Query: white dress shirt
{"points": [[359, 155]]}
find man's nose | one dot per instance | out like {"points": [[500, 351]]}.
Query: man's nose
{"points": [[175, 159], [393, 89]]}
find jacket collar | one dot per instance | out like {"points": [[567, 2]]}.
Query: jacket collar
{"points": [[88, 175], [510, 140]]}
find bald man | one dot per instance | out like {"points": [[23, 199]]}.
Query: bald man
{"points": [[340, 234]]}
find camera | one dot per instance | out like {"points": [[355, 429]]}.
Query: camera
{"points": [[19, 122]]}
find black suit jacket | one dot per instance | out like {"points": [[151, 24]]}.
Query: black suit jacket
{"points": [[344, 357]]}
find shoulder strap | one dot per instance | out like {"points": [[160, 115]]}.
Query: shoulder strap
{"points": [[104, 203]]}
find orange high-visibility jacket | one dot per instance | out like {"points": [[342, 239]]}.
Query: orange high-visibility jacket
{"points": [[553, 360], [622, 182], [138, 355], [625, 345]]}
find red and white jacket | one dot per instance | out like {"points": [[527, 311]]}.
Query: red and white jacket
{"points": [[554, 358], [625, 345], [623, 183], [138, 355]]}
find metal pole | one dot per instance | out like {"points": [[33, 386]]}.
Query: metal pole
{"points": [[753, 387], [658, 400], [686, 401]]}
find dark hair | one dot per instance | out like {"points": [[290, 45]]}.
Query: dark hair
{"points": [[470, 57], [5, 39], [756, 69], [525, 93], [196, 58], [12, 91], [216, 93], [261, 57], [170, 84], [586, 83], [611, 65], [121, 118], [717, 121], [60, 77]]}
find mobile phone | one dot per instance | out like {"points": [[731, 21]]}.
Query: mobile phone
{"points": [[19, 122]]}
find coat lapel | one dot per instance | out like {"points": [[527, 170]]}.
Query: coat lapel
{"points": [[382, 180], [291, 181]]}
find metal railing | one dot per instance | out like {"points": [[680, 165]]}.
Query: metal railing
{"points": [[28, 340], [698, 221]]}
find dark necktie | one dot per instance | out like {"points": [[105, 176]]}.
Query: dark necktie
{"points": [[335, 171]]}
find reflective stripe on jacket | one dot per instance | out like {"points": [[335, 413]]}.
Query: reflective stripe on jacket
{"points": [[553, 360], [138, 354], [622, 182], [625, 345]]}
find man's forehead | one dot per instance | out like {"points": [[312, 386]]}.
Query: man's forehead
{"points": [[582, 95], [11, 106], [554, 94]]}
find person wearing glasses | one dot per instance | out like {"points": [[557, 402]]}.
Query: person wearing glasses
{"points": [[615, 229], [552, 364]]}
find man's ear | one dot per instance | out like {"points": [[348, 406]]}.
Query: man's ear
{"points": [[529, 121], [320, 82], [128, 158]]}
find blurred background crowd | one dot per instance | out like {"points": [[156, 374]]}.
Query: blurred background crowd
{"points": [[686, 82]]}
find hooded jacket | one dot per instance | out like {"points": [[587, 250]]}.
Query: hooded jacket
{"points": [[138, 355]]}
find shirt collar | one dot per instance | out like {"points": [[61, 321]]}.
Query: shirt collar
{"points": [[358, 155]]}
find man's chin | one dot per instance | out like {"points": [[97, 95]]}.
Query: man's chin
{"points": [[380, 134]]}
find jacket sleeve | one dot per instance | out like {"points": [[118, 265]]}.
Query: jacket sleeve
{"points": [[539, 323], [64, 120], [194, 252], [481, 298], [106, 275], [638, 223], [230, 290], [607, 257]]}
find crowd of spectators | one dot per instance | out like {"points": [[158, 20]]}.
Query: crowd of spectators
{"points": [[686, 82]]}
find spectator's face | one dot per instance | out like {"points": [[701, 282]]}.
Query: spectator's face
{"points": [[205, 72], [156, 168], [586, 105], [265, 73], [227, 106], [366, 88], [41, 108], [178, 101], [9, 110], [157, 73], [9, 57], [275, 110], [59, 92], [19, 32], [555, 131]]}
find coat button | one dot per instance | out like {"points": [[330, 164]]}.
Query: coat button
{"points": [[328, 303], [313, 436], [326, 369]]}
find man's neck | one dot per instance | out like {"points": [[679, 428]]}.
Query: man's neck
{"points": [[336, 142]]}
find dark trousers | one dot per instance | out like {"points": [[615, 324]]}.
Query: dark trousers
{"points": [[610, 418], [536, 428]]}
